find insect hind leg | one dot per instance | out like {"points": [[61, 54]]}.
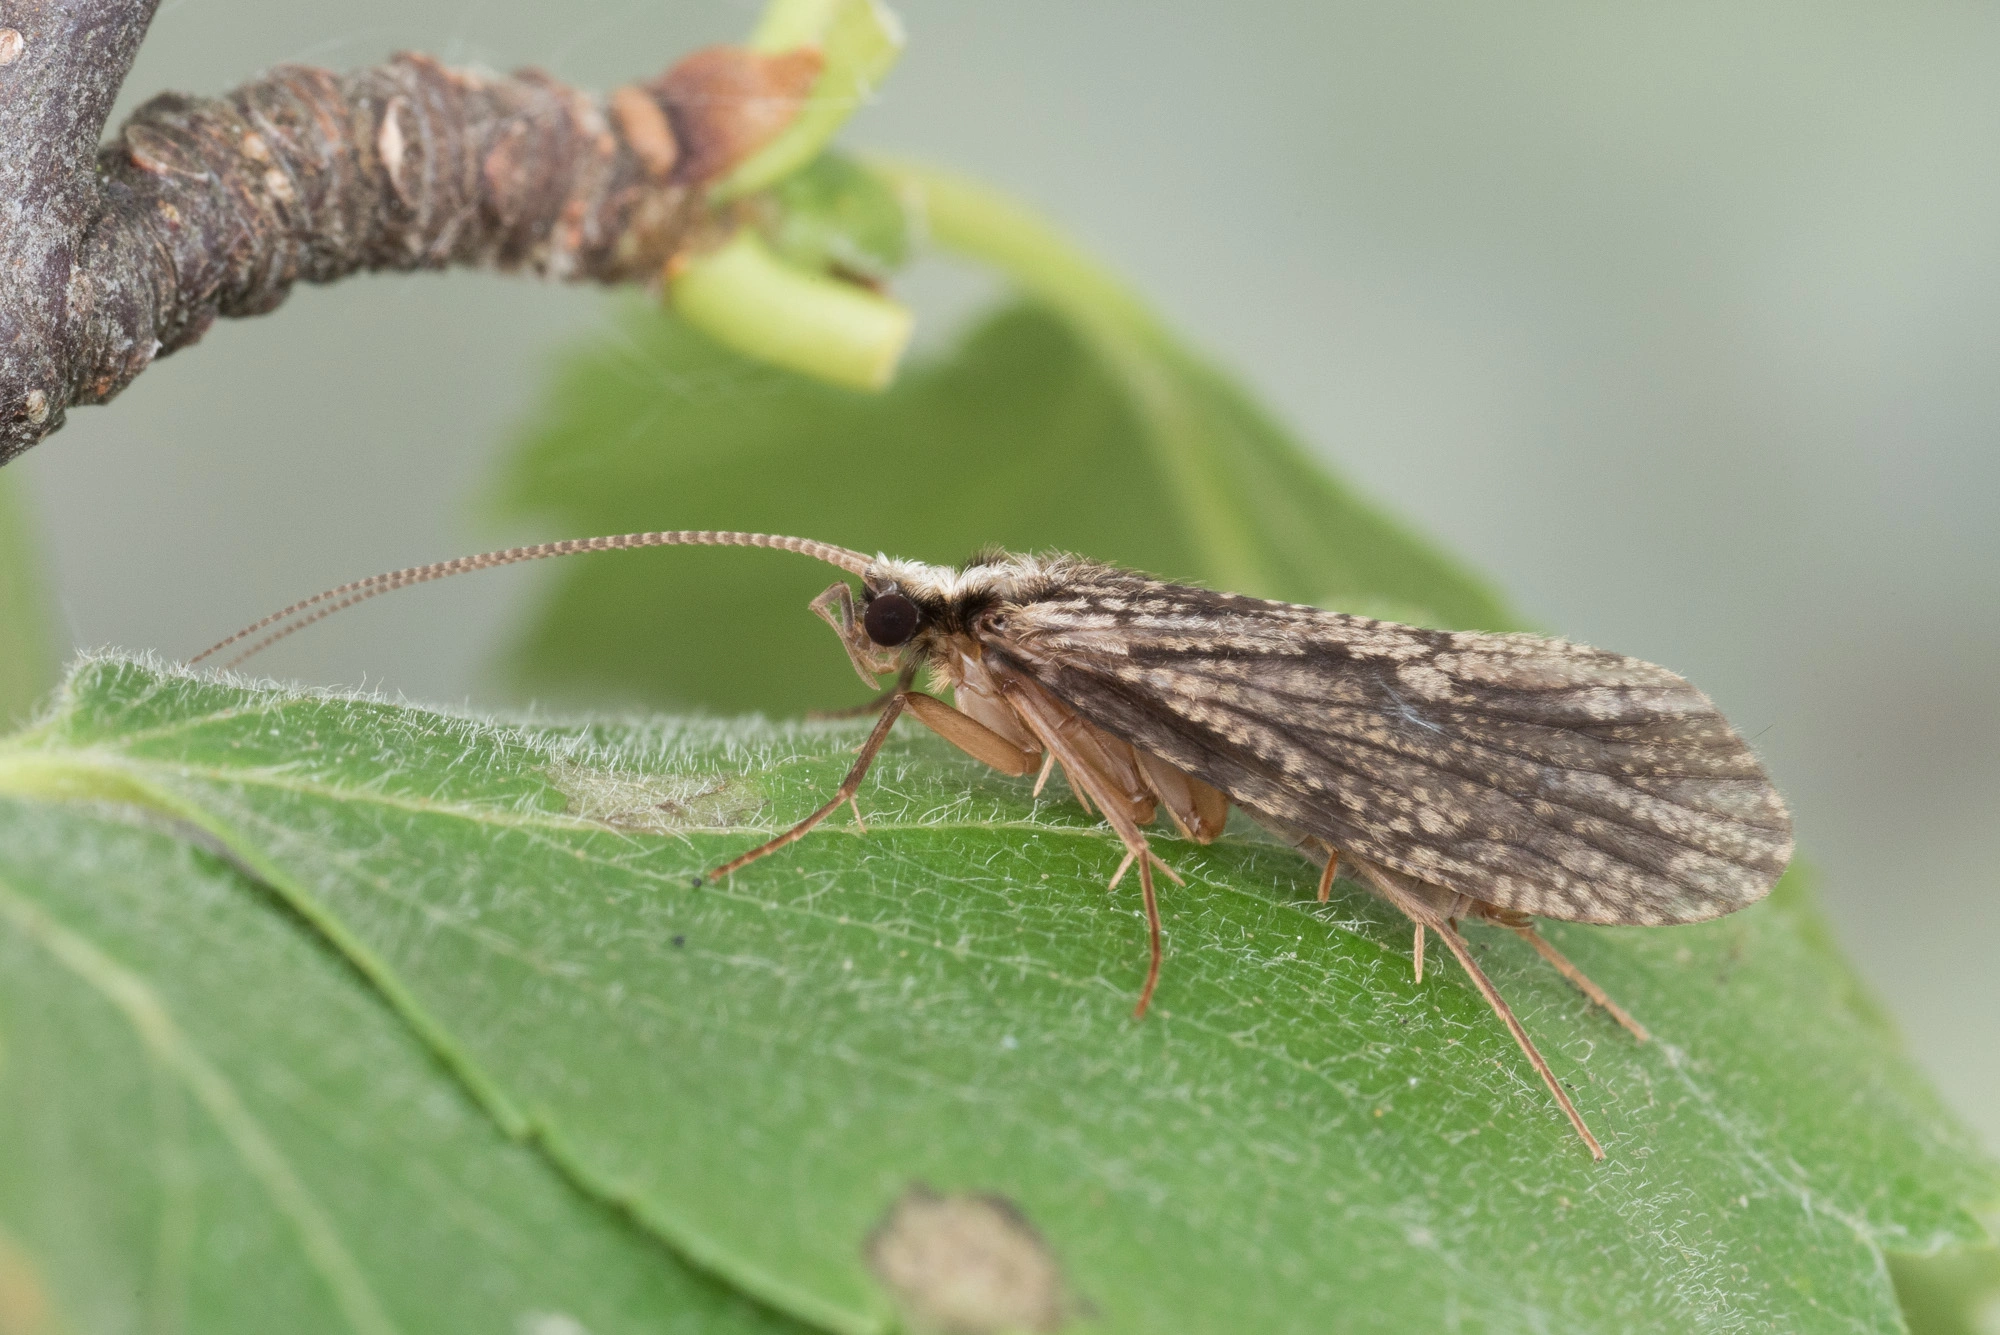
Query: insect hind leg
{"points": [[1563, 966], [1407, 896]]}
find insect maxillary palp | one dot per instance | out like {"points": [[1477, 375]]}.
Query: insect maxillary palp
{"points": [[871, 661]]}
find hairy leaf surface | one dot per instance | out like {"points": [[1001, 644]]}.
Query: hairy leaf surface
{"points": [[1300, 1136], [1026, 434], [211, 1123]]}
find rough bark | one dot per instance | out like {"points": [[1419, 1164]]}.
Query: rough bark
{"points": [[206, 207]]}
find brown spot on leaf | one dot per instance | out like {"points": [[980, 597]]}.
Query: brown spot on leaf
{"points": [[726, 102], [968, 1264]]}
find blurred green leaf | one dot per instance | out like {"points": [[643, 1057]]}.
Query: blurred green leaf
{"points": [[1068, 419], [1259, 512], [759, 1070], [1953, 1292], [1025, 434], [27, 657], [210, 1122], [838, 215]]}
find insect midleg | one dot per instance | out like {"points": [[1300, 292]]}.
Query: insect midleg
{"points": [[1125, 865], [1326, 881], [848, 787], [1048, 768], [1198, 810], [980, 699], [1419, 912], [1045, 716], [1547, 951]]}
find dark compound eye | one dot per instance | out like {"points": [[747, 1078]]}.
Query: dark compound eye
{"points": [[891, 619]]}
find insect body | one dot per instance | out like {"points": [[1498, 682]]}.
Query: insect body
{"points": [[1457, 774]]}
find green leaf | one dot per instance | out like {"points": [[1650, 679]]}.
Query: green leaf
{"points": [[1262, 515], [938, 1012], [836, 215], [1955, 1292], [27, 658], [211, 1123], [1026, 434]]}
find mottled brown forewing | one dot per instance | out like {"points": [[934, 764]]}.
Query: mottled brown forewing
{"points": [[1542, 776]]}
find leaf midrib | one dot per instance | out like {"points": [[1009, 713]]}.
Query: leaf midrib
{"points": [[152, 1023], [148, 771]]}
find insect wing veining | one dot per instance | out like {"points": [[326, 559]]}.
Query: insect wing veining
{"points": [[1529, 773]]}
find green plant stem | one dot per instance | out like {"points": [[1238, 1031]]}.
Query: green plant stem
{"points": [[748, 299], [983, 224]]}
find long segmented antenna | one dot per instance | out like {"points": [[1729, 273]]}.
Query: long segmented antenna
{"points": [[323, 605]]}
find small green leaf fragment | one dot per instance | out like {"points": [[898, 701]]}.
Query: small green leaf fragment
{"points": [[859, 40], [786, 24], [837, 216], [746, 298]]}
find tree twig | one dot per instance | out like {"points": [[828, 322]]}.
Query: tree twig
{"points": [[199, 207]]}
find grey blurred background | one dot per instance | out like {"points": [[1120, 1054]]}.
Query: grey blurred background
{"points": [[1682, 323]]}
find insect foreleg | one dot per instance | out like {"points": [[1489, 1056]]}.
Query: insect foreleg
{"points": [[848, 787], [866, 709], [1408, 898], [1062, 733], [836, 608]]}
